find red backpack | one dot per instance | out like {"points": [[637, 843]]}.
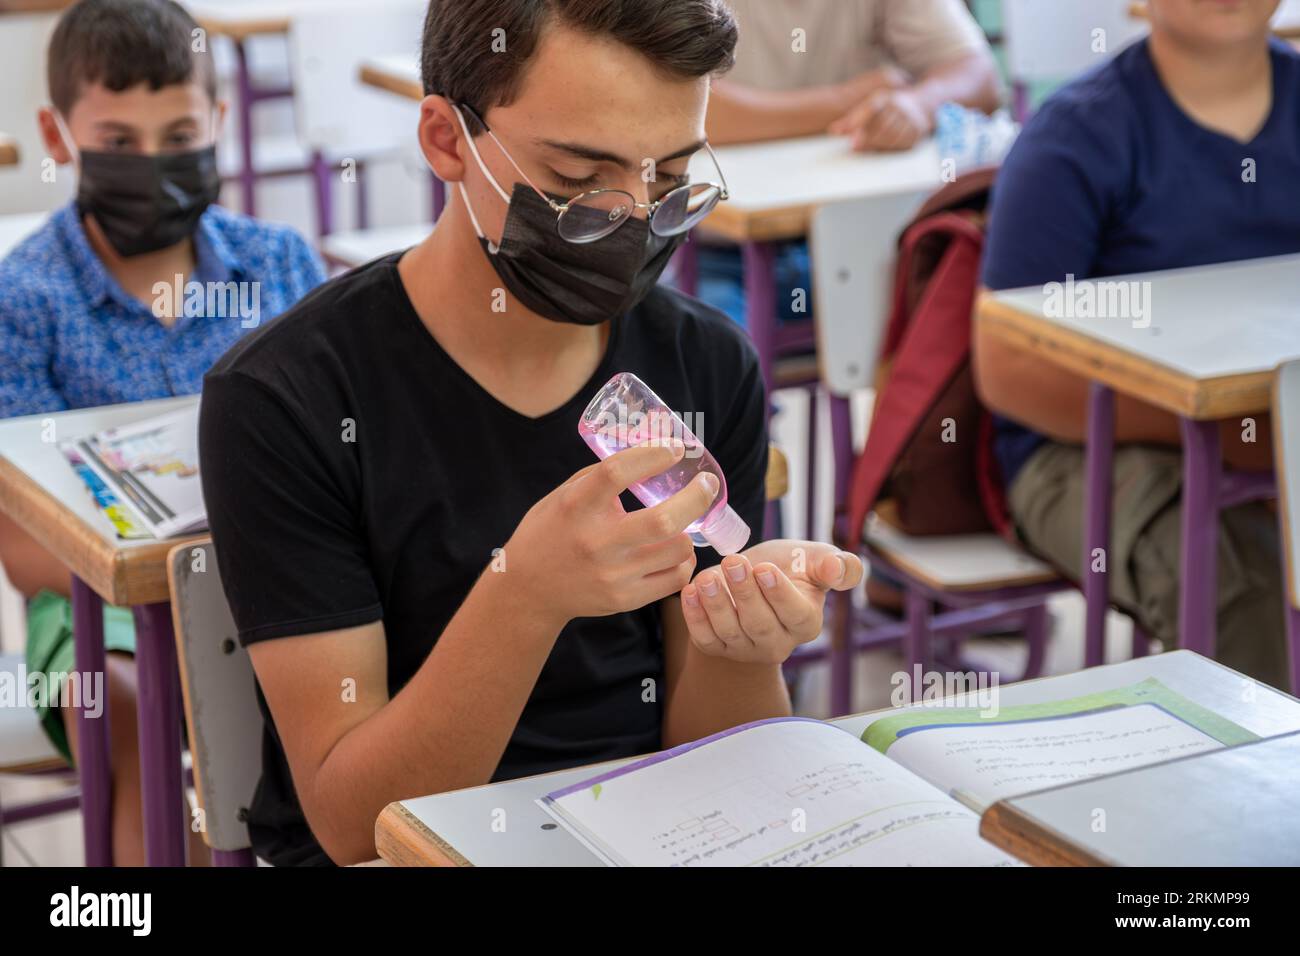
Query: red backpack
{"points": [[930, 446]]}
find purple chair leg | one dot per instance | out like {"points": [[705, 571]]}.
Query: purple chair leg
{"points": [[916, 640], [1198, 596], [159, 723], [810, 504], [688, 267], [841, 656], [1141, 640], [1096, 539], [233, 858], [363, 200], [244, 105], [92, 731], [1036, 625], [760, 303], [323, 177], [1020, 101]]}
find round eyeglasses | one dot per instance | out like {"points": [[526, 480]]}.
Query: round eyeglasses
{"points": [[596, 213]]}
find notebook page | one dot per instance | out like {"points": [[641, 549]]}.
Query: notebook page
{"points": [[981, 757], [791, 792]]}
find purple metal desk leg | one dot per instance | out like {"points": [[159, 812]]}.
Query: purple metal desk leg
{"points": [[1293, 645], [760, 302], [760, 320], [160, 735], [247, 176], [842, 639], [92, 732], [1202, 476], [1096, 509]]}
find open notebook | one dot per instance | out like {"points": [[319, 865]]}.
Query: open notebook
{"points": [[145, 476], [798, 792]]}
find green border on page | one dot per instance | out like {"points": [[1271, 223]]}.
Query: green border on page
{"points": [[882, 734]]}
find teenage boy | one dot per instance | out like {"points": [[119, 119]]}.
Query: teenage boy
{"points": [[96, 306], [437, 583], [1146, 163]]}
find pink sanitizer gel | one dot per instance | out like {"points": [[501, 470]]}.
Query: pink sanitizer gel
{"points": [[626, 412]]}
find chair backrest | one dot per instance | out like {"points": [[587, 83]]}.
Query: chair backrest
{"points": [[853, 246], [224, 722], [327, 45], [1059, 39], [1286, 451]]}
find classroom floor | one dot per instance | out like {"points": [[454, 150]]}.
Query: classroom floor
{"points": [[56, 841]]}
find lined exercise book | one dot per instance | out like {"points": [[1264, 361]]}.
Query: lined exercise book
{"points": [[908, 792], [145, 476]]}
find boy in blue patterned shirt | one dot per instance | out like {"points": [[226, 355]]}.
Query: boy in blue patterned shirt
{"points": [[129, 293]]}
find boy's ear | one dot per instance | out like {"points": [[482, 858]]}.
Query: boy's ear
{"points": [[52, 137], [440, 133]]}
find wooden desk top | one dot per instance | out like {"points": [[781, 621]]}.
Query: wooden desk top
{"points": [[41, 492], [241, 19], [1213, 337], [455, 828], [1286, 22], [775, 187], [8, 151]]}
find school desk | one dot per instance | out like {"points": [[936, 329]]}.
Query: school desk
{"points": [[1206, 349], [1286, 22], [1231, 807], [8, 151], [456, 828], [40, 491]]}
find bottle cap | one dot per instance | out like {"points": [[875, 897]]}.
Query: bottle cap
{"points": [[728, 534]]}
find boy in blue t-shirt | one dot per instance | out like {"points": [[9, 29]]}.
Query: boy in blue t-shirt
{"points": [[129, 293], [1183, 150]]}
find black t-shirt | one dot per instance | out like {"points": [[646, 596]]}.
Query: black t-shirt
{"points": [[354, 472]]}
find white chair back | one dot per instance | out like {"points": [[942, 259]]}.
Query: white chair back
{"points": [[221, 712], [1059, 39]]}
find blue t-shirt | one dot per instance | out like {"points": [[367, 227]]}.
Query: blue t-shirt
{"points": [[1112, 177], [71, 336]]}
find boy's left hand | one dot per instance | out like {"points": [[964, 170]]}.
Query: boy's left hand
{"points": [[763, 603]]}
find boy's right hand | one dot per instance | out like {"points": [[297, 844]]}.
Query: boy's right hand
{"points": [[577, 553]]}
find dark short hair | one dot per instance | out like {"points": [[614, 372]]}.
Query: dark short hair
{"points": [[684, 38], [120, 43]]}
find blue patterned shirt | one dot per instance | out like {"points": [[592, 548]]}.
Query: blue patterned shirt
{"points": [[71, 337]]}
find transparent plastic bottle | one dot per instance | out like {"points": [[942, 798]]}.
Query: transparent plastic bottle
{"points": [[626, 412]]}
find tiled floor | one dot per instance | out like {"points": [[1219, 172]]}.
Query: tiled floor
{"points": [[57, 841]]}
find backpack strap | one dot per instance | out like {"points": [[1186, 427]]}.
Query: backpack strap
{"points": [[929, 348]]}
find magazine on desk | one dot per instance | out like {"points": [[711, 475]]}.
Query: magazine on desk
{"points": [[907, 792], [145, 476]]}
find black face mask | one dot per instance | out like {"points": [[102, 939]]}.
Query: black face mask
{"points": [[146, 203], [584, 283]]}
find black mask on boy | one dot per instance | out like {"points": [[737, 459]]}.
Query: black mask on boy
{"points": [[146, 203], [584, 283]]}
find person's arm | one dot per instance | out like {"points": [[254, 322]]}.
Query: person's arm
{"points": [[743, 114], [893, 119]]}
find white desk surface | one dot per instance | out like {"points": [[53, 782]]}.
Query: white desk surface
{"points": [[1233, 318], [22, 445], [816, 170], [463, 818]]}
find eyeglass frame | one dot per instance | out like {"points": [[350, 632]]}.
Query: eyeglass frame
{"points": [[561, 208]]}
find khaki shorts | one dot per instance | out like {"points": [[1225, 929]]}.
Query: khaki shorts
{"points": [[1046, 502]]}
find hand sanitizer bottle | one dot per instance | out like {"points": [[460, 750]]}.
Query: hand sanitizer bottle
{"points": [[626, 412]]}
